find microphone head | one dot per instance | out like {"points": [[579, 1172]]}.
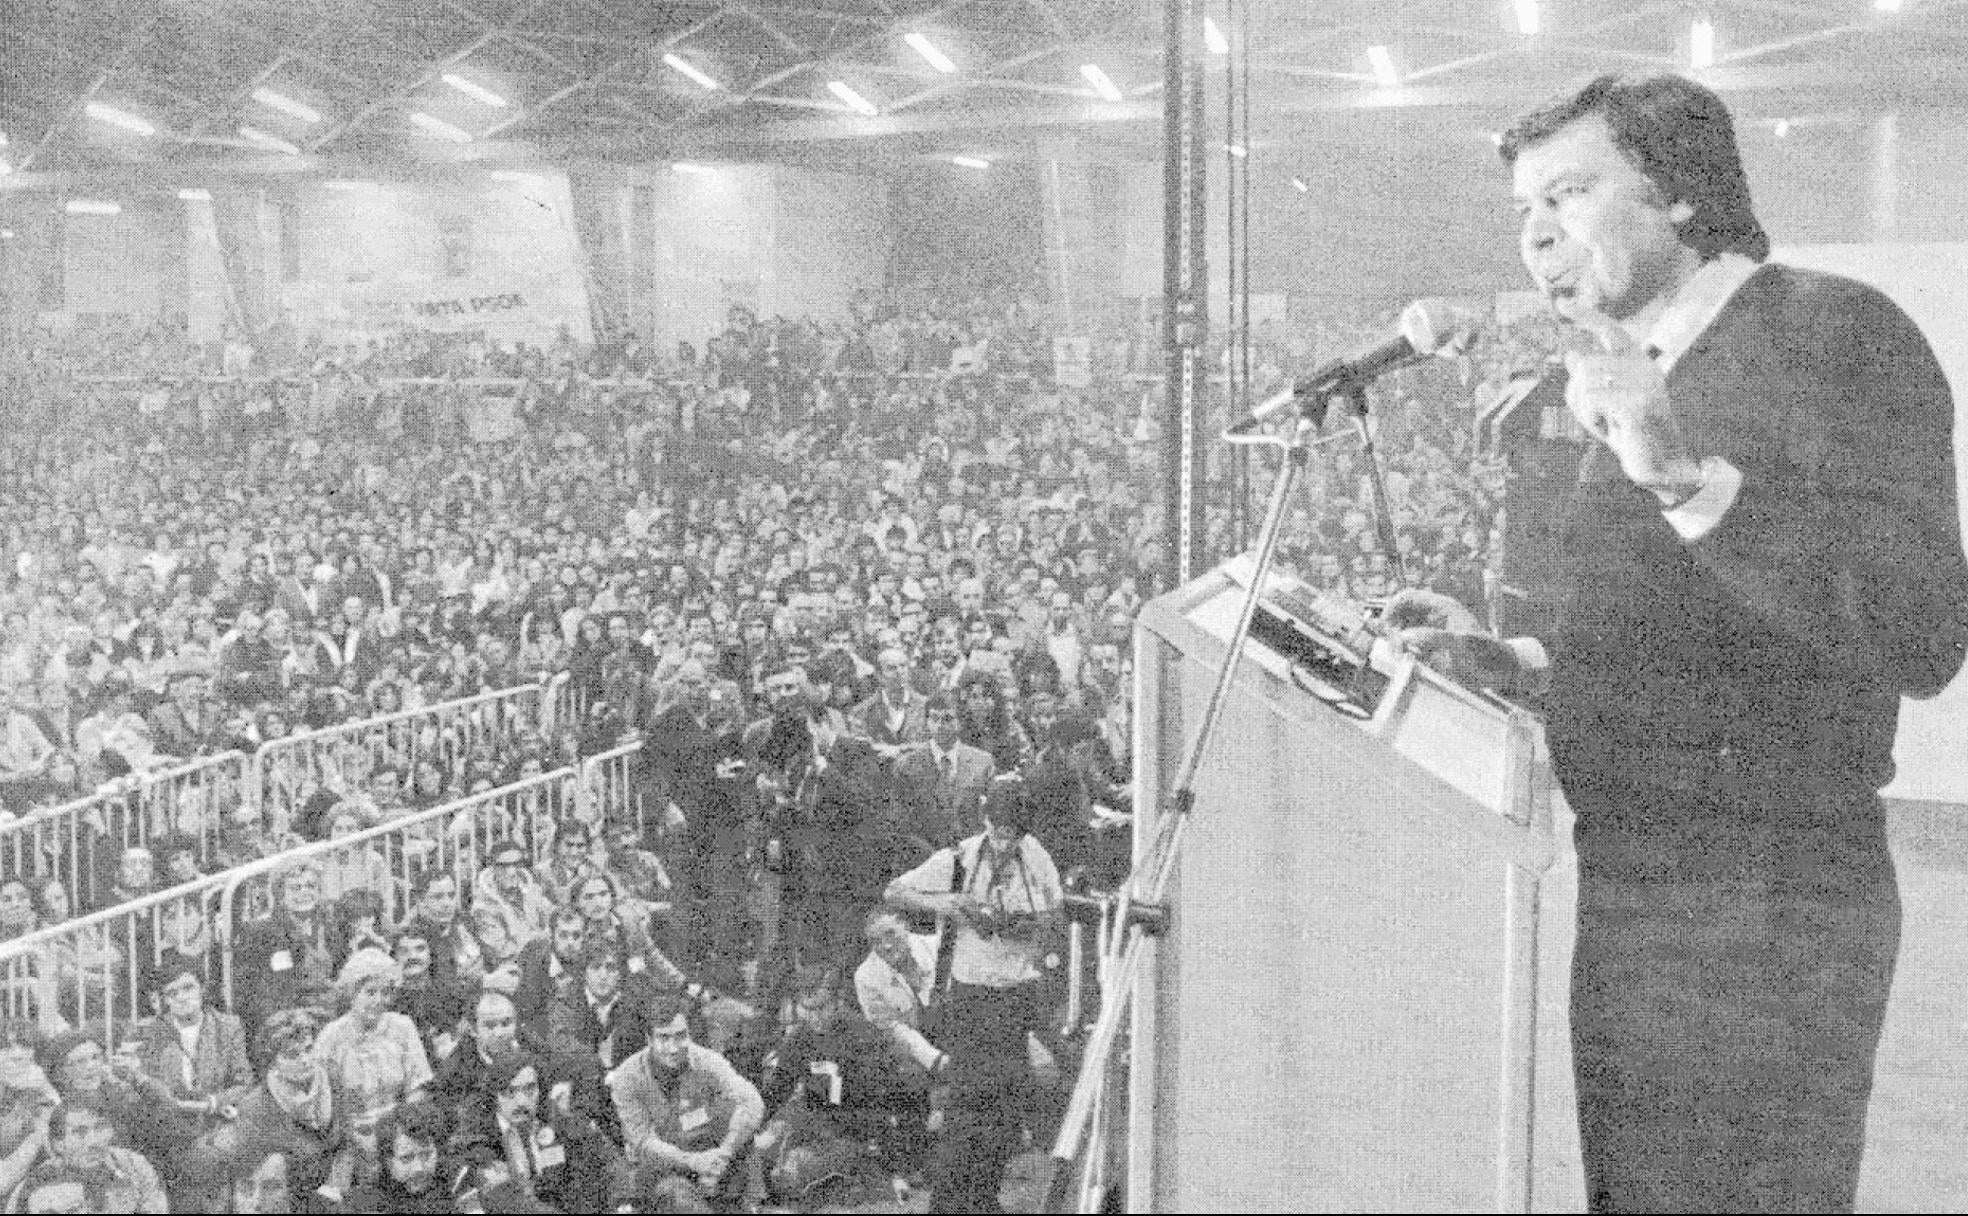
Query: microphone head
{"points": [[1440, 327]]}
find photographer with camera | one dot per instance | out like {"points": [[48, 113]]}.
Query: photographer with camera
{"points": [[1000, 905]]}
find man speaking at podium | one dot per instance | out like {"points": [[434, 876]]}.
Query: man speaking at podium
{"points": [[1766, 558]]}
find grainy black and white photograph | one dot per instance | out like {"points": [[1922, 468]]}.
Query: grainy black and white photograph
{"points": [[944, 606]]}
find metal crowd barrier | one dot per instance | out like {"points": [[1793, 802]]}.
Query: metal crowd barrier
{"points": [[100, 969], [78, 843], [339, 759], [608, 790]]}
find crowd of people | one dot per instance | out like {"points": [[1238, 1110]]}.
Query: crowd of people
{"points": [[869, 627]]}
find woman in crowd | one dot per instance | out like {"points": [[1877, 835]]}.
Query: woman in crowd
{"points": [[374, 1055], [297, 1110], [986, 722]]}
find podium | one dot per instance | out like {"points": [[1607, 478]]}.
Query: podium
{"points": [[1343, 1011]]}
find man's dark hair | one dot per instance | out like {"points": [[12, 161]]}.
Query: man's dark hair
{"points": [[1677, 133], [421, 1120]]}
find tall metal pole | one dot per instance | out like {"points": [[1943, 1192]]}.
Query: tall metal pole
{"points": [[1185, 296]]}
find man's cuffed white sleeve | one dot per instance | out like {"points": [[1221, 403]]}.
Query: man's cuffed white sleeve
{"points": [[1697, 517]]}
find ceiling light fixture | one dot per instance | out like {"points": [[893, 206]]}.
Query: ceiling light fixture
{"points": [[856, 102], [268, 140], [438, 127], [92, 206], [1383, 67], [1527, 16], [286, 105], [970, 162], [1237, 150], [686, 167], [195, 194], [1701, 44], [684, 67], [1101, 83], [118, 118], [347, 186], [1213, 37], [1298, 184], [477, 92], [1887, 6], [927, 49]]}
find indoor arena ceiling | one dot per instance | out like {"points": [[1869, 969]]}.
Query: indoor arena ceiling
{"points": [[269, 84]]}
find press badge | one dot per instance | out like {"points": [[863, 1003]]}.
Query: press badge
{"points": [[693, 1118], [636, 965], [281, 961], [548, 1153]]}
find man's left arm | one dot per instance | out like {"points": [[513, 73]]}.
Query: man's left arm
{"points": [[1851, 541]]}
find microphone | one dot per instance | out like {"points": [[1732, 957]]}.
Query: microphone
{"points": [[1428, 327]]}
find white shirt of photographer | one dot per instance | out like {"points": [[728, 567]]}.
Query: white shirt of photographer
{"points": [[1027, 883]]}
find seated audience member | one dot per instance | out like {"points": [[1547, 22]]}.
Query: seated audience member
{"points": [[607, 1013], [373, 1053], [264, 1186], [573, 1081], [508, 907], [684, 1110], [50, 1185], [559, 1159], [456, 959], [894, 986], [194, 1060], [80, 1139], [114, 1088], [297, 1110], [415, 1175], [288, 960], [27, 1098], [548, 969], [839, 1085], [435, 1010]]}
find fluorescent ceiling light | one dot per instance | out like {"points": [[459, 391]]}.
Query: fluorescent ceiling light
{"points": [[286, 105], [1383, 66], [1100, 82], [687, 68], [6, 234], [195, 194], [1782, 128], [349, 187], [1701, 44], [1887, 6], [970, 162], [477, 92], [854, 100], [6, 167], [268, 141], [438, 127], [118, 118], [1527, 16], [1213, 37], [927, 49], [514, 175], [1237, 150], [1298, 184], [92, 206], [686, 167]]}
